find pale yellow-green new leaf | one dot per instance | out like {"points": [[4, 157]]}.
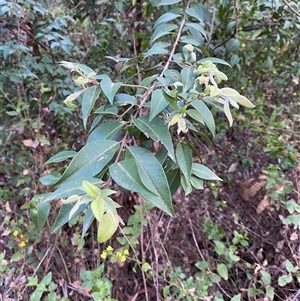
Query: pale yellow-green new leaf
{"points": [[228, 113], [108, 226], [236, 96]]}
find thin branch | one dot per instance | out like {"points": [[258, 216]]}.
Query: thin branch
{"points": [[149, 92], [291, 8]]}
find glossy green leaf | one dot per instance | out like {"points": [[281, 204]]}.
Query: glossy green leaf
{"points": [[173, 75], [158, 103], [109, 88], [152, 175], [206, 114], [198, 11], [123, 99], [105, 110], [270, 292], [162, 30], [196, 182], [284, 280], [64, 215], [187, 187], [126, 175], [188, 77], [236, 96], [222, 270], [157, 130], [69, 188], [193, 113], [203, 172], [236, 298], [173, 178], [166, 17], [197, 27], [61, 156], [184, 160], [50, 178], [39, 213], [290, 267], [168, 2], [110, 129], [89, 98], [171, 98], [90, 160], [87, 220]]}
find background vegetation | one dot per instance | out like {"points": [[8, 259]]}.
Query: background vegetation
{"points": [[231, 240]]}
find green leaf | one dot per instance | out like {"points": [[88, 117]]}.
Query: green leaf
{"points": [[188, 78], [171, 98], [289, 267], [284, 280], [158, 103], [195, 115], [214, 278], [166, 18], [123, 99], [51, 178], [39, 214], [184, 160], [206, 114], [69, 188], [197, 27], [168, 2], [173, 178], [157, 130], [90, 160], [196, 182], [222, 270], [270, 292], [152, 175], [228, 112], [157, 48], [162, 30], [126, 174], [203, 172], [64, 215], [97, 207], [17, 256], [265, 278], [105, 110], [89, 98], [199, 12], [61, 156], [87, 221], [109, 88], [110, 129]]}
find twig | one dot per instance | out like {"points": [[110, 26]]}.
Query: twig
{"points": [[212, 26], [296, 296], [291, 8], [149, 92]]}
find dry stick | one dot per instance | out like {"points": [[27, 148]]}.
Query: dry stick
{"points": [[296, 296], [142, 249], [291, 8], [201, 255]]}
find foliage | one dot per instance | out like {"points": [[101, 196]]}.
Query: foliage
{"points": [[145, 77]]}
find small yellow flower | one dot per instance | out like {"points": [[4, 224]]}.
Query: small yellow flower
{"points": [[21, 235], [274, 71], [103, 255], [295, 94], [212, 185], [109, 248], [242, 88], [123, 258], [119, 254], [22, 243], [15, 233], [243, 45], [126, 252], [224, 202]]}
